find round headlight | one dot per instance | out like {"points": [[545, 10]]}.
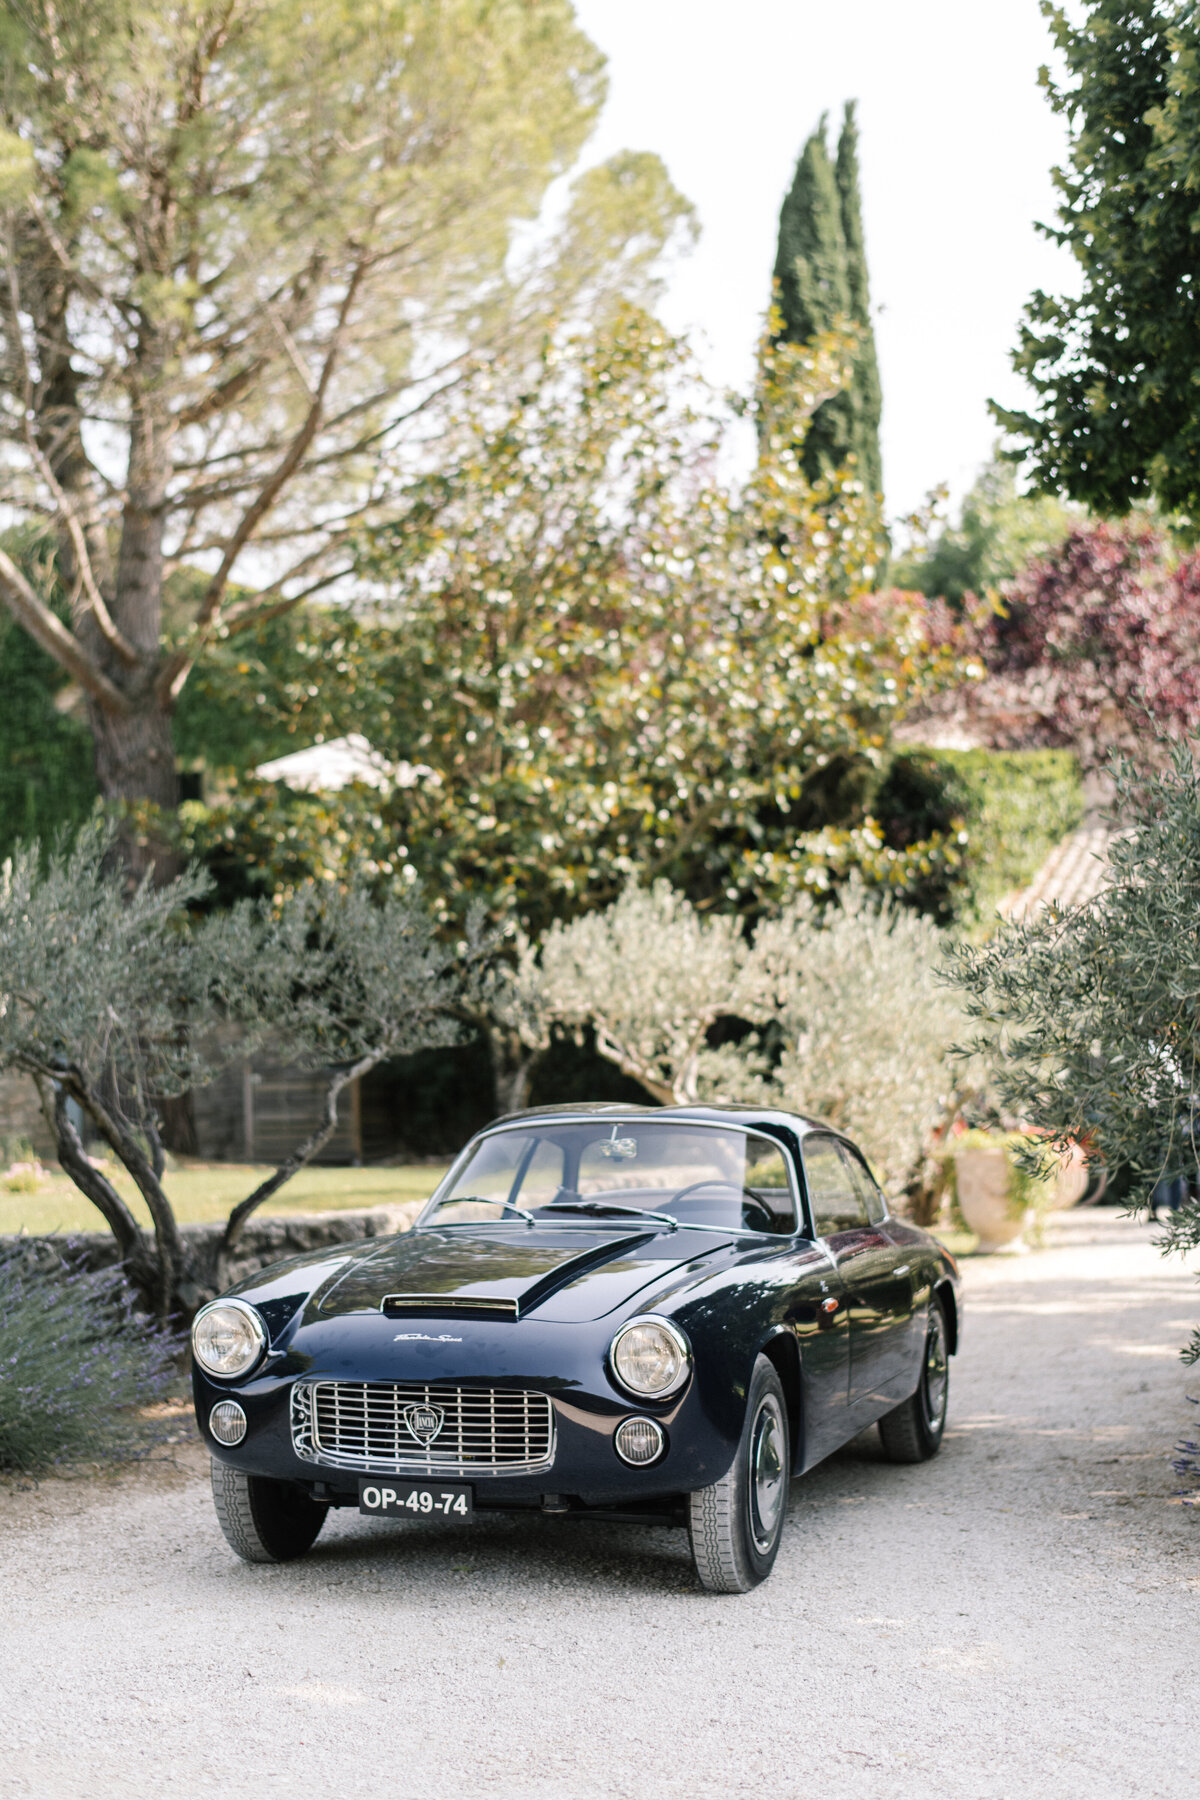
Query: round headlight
{"points": [[227, 1422], [651, 1357], [228, 1338], [639, 1441]]}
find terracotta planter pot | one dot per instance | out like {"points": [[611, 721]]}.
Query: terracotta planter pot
{"points": [[983, 1180], [1072, 1181]]}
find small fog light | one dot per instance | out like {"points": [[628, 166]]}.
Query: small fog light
{"points": [[639, 1441], [227, 1422]]}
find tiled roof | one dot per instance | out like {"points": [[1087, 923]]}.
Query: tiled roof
{"points": [[1073, 873], [326, 768]]}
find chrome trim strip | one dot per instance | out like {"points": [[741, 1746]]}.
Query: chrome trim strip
{"points": [[451, 1303]]}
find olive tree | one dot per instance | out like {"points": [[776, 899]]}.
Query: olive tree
{"points": [[867, 1031], [113, 1002], [1091, 1015], [246, 247], [854, 1023], [651, 975]]}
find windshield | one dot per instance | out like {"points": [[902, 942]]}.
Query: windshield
{"points": [[697, 1174]]}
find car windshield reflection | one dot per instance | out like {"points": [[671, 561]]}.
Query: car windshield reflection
{"points": [[722, 1177]]}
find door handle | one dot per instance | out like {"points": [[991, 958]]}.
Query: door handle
{"points": [[904, 1269]]}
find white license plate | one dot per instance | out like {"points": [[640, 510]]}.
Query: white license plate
{"points": [[416, 1499]]}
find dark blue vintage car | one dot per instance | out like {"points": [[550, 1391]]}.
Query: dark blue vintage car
{"points": [[642, 1314]]}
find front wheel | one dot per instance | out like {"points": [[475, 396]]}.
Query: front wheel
{"points": [[735, 1525], [264, 1521], [913, 1432]]}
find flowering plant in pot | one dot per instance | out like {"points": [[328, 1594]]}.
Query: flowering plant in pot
{"points": [[998, 1186]]}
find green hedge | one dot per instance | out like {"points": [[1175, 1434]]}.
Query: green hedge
{"points": [[1013, 805], [47, 783]]}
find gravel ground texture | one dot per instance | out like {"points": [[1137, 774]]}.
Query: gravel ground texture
{"points": [[1022, 1611]]}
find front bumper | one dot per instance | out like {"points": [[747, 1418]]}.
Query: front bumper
{"points": [[582, 1469]]}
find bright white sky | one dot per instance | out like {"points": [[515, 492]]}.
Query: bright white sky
{"points": [[957, 141]]}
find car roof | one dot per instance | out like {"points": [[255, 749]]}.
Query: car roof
{"points": [[731, 1114]]}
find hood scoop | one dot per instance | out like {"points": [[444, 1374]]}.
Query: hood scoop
{"points": [[509, 1306], [412, 1306], [481, 1273]]}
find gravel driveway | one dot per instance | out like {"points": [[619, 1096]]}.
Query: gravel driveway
{"points": [[1023, 1611]]}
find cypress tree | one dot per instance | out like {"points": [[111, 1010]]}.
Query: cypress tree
{"points": [[821, 272], [864, 397]]}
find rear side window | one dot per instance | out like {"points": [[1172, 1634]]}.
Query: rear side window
{"points": [[838, 1204], [867, 1186]]}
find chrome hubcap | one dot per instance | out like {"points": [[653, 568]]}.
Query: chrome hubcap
{"points": [[768, 1476], [937, 1371]]}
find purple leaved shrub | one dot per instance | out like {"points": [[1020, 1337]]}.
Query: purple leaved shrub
{"points": [[79, 1364]]}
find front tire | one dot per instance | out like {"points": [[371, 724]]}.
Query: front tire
{"points": [[735, 1525], [913, 1432], [264, 1521]]}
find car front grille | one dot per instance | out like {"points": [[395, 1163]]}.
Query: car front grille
{"points": [[397, 1427]]}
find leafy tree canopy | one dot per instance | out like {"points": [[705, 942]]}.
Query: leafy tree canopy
{"points": [[611, 661], [247, 247], [1094, 641], [1114, 370], [998, 530]]}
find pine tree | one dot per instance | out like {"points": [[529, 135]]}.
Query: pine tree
{"points": [[821, 277]]}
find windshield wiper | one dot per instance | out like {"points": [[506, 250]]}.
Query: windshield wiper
{"points": [[598, 1208], [483, 1200]]}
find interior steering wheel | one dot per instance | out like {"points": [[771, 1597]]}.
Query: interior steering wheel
{"points": [[714, 1182]]}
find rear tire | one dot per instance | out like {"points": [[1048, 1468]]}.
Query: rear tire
{"points": [[735, 1525], [913, 1432], [264, 1521]]}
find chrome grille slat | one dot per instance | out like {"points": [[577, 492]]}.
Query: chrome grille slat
{"points": [[362, 1425]]}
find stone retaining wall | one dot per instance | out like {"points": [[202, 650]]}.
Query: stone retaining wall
{"points": [[265, 1240]]}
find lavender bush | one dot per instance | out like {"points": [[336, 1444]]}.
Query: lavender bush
{"points": [[1186, 1464], [79, 1364]]}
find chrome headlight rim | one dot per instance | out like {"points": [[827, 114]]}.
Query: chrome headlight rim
{"points": [[248, 1312], [644, 1395], [658, 1436], [227, 1424]]}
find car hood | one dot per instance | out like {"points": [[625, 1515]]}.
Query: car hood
{"points": [[565, 1274]]}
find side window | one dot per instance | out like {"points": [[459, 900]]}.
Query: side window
{"points": [[837, 1204], [768, 1178], [867, 1186]]}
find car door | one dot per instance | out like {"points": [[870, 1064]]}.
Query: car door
{"points": [[813, 1303], [867, 1261], [898, 1327]]}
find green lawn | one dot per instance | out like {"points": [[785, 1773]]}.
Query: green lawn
{"points": [[203, 1192]]}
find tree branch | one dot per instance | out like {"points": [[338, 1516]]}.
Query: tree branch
{"points": [[91, 1183], [166, 1228], [65, 505], [613, 1051], [222, 396], [236, 1222], [297, 450], [46, 629], [171, 682]]}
